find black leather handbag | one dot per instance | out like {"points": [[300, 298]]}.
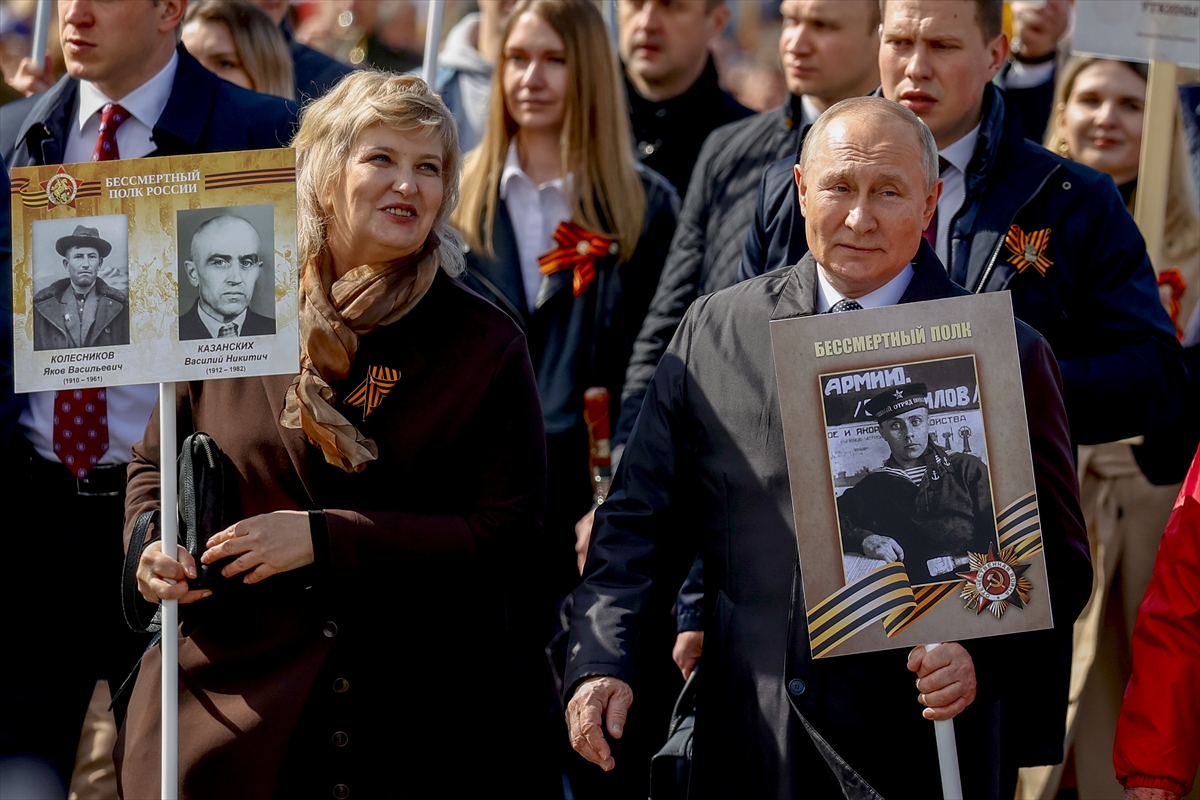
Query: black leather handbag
{"points": [[208, 503], [671, 767]]}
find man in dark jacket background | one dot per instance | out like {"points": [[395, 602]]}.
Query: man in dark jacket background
{"points": [[119, 56], [315, 72], [705, 471], [671, 81], [1015, 217]]}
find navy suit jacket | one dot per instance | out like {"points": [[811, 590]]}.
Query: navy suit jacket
{"points": [[191, 326], [315, 73]]}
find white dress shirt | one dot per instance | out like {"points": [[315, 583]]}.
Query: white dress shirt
{"points": [[1026, 76], [954, 188], [808, 110], [129, 407], [135, 137], [535, 211], [887, 295]]}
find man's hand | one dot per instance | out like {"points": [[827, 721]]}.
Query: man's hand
{"points": [[688, 647], [1147, 793], [596, 698], [583, 537], [883, 548], [265, 545], [945, 679]]}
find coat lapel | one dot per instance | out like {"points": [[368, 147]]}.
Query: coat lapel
{"points": [[185, 118], [798, 296], [501, 275]]}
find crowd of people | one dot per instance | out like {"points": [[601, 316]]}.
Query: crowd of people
{"points": [[424, 595]]}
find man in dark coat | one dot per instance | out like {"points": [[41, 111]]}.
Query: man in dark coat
{"points": [[1052, 232], [671, 82], [119, 55], [705, 470], [80, 310], [224, 267]]}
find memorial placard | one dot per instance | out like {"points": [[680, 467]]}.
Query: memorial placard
{"points": [[1139, 30], [154, 270], [911, 475]]}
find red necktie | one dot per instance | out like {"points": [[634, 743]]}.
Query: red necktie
{"points": [[930, 232], [81, 415]]}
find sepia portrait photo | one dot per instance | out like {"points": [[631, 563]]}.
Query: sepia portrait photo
{"points": [[80, 282], [226, 272], [909, 467]]}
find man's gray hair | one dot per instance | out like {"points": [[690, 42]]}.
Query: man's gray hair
{"points": [[877, 107]]}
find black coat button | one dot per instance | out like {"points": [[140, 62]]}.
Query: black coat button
{"points": [[341, 685], [340, 739], [330, 629], [796, 687], [341, 791]]}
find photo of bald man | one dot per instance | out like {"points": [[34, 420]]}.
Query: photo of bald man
{"points": [[223, 267]]}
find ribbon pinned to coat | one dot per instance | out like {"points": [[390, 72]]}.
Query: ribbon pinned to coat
{"points": [[578, 249]]}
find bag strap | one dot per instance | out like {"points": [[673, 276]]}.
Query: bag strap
{"points": [[133, 605], [187, 494], [685, 704]]}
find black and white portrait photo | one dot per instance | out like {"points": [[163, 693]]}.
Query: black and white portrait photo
{"points": [[80, 282], [226, 272], [909, 467]]}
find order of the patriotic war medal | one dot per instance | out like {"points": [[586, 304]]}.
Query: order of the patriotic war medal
{"points": [[61, 189], [995, 581]]}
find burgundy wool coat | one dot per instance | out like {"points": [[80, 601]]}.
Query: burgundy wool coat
{"points": [[362, 674]]}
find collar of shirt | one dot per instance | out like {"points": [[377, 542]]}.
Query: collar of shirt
{"points": [[145, 103], [887, 295], [1026, 76], [809, 110], [954, 189], [513, 171], [959, 154], [214, 325]]}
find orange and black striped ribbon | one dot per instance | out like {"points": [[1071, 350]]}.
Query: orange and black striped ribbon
{"points": [[375, 387], [577, 250]]}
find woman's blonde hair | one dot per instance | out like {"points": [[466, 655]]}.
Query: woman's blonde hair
{"points": [[596, 149], [1181, 228], [260, 44], [330, 126]]}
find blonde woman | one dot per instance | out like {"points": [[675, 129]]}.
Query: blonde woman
{"points": [[385, 492], [237, 41], [1097, 121], [565, 233]]}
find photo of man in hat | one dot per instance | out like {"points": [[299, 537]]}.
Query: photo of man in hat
{"points": [[80, 310], [925, 506], [224, 266]]}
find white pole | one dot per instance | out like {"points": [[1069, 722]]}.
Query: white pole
{"points": [[41, 32], [170, 608], [433, 38], [947, 753]]}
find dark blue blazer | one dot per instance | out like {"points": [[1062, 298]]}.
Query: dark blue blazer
{"points": [[203, 115], [1097, 301]]}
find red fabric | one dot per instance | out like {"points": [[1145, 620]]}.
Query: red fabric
{"points": [[1158, 732], [578, 249]]}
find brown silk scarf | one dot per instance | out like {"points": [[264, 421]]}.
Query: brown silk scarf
{"points": [[333, 315]]}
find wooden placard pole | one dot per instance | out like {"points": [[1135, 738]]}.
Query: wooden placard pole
{"points": [[1154, 166]]}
